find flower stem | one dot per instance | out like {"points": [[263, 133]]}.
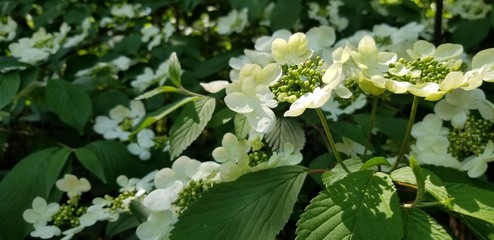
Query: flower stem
{"points": [[406, 137], [371, 123], [330, 139]]}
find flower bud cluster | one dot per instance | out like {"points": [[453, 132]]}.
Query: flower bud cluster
{"points": [[472, 139], [298, 80], [257, 157], [191, 192], [420, 70], [69, 213]]}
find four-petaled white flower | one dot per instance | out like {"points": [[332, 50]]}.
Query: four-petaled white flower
{"points": [[158, 226], [477, 165], [235, 21], [72, 185], [41, 212]]}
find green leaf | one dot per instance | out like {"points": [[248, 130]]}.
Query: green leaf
{"points": [[323, 161], [221, 117], [433, 184], [472, 201], [418, 225], [286, 130], [175, 70], [129, 45], [419, 179], [281, 10], [471, 32], [9, 85], [363, 205], [242, 126], [481, 229], [256, 8], [213, 65], [69, 102], [6, 62], [374, 162], [389, 126], [35, 175], [158, 90], [255, 206], [124, 223], [159, 114], [190, 124], [337, 173], [91, 163]]}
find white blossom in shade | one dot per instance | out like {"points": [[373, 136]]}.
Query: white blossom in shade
{"points": [[368, 58], [397, 40], [251, 96], [328, 15], [321, 39], [470, 9], [232, 149], [145, 141], [46, 232], [294, 51], [477, 165], [334, 109], [214, 86], [72, 185], [41, 212], [141, 186], [287, 156], [158, 226], [456, 106], [149, 31], [121, 119], [235, 21], [109, 128], [8, 29], [482, 68], [154, 36], [350, 147], [149, 77], [265, 43], [127, 10], [69, 233], [428, 130], [76, 39]]}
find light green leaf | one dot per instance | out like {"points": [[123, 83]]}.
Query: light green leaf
{"points": [[158, 90], [91, 163], [9, 85], [472, 201], [159, 114], [337, 173], [190, 124], [175, 70], [33, 176], [419, 179], [286, 130], [69, 102], [433, 184], [374, 162], [418, 225], [242, 126], [255, 206], [363, 205]]}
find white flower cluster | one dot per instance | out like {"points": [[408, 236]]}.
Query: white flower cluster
{"points": [[329, 14], [150, 77], [8, 29], [235, 21], [155, 36], [119, 123], [49, 220]]}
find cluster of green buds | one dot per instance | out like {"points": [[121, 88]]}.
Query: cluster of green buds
{"points": [[353, 86], [421, 70], [118, 203], [257, 157], [298, 80], [472, 138], [191, 192], [69, 213]]}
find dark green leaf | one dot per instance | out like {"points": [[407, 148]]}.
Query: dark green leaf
{"points": [[322, 162], [69, 102], [255, 206], [471, 32], [363, 205], [6, 62], [9, 85], [472, 201], [286, 130], [91, 163], [281, 10], [190, 124], [374, 162], [418, 225], [255, 7], [33, 176], [221, 117], [129, 45]]}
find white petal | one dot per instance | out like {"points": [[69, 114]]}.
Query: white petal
{"points": [[215, 86]]}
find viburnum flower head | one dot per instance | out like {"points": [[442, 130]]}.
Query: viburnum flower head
{"points": [[250, 95], [72, 185]]}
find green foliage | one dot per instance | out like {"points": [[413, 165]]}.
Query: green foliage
{"points": [[91, 163], [360, 199], [282, 9], [287, 130], [470, 33], [9, 85], [235, 209], [481, 206], [419, 225]]}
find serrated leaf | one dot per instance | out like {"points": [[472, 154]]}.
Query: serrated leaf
{"points": [[255, 206], [363, 205], [472, 201], [418, 225], [69, 102], [286, 130], [91, 163], [433, 184], [35, 175], [190, 124], [242, 126], [175, 70], [9, 85], [337, 173], [159, 114], [376, 161], [158, 90], [419, 179]]}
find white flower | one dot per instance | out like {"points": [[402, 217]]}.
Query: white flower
{"points": [[235, 21], [109, 128], [8, 29], [470, 9], [334, 109], [288, 155], [265, 43], [145, 141], [45, 232], [427, 131], [157, 227], [233, 149], [141, 186], [477, 165], [321, 39], [72, 185], [41, 212], [295, 51], [214, 86], [350, 147]]}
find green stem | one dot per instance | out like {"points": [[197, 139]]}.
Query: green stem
{"points": [[406, 138], [330, 139], [371, 124]]}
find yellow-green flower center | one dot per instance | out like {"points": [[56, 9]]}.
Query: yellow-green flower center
{"points": [[257, 157], [420, 70], [191, 192], [69, 213]]}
